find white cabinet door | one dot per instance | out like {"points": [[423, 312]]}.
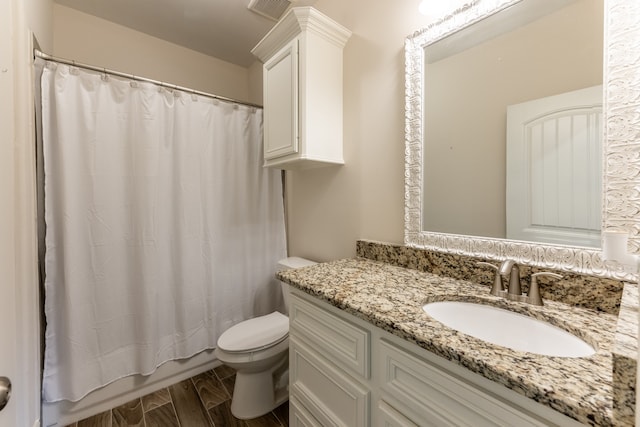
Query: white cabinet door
{"points": [[431, 396], [281, 136], [329, 395]]}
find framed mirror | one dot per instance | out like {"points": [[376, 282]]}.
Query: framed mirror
{"points": [[460, 104]]}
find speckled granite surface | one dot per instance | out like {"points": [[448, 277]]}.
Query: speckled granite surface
{"points": [[574, 289], [391, 298], [625, 354]]}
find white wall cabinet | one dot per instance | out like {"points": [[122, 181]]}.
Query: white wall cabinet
{"points": [[302, 85], [347, 372]]}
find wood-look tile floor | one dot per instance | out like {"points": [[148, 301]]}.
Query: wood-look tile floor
{"points": [[200, 401]]}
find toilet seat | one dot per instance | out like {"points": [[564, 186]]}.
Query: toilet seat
{"points": [[256, 357], [255, 334]]}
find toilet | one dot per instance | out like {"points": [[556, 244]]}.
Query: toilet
{"points": [[258, 349]]}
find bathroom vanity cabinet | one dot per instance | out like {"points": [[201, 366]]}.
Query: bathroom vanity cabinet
{"points": [[302, 90], [345, 371]]}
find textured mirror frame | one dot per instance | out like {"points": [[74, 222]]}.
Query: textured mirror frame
{"points": [[621, 168]]}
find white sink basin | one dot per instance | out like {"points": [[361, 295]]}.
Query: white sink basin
{"points": [[508, 329]]}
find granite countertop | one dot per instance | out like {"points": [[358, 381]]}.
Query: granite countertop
{"points": [[391, 298]]}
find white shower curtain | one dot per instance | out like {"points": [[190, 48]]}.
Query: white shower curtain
{"points": [[162, 227]]}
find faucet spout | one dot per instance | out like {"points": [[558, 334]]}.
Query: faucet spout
{"points": [[510, 267], [506, 266]]}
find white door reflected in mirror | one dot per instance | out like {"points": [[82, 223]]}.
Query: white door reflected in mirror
{"points": [[554, 169]]}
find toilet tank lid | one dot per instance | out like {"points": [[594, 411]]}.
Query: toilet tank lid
{"points": [[255, 333], [294, 262]]}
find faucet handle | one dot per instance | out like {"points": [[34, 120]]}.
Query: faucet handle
{"points": [[497, 287], [534, 290]]}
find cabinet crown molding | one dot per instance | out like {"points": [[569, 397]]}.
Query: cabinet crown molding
{"points": [[300, 20]]}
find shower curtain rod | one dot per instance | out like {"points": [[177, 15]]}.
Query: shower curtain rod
{"points": [[48, 57]]}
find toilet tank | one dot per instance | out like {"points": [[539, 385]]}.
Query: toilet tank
{"points": [[286, 264]]}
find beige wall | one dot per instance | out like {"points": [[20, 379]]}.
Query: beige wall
{"points": [[87, 39], [38, 14], [330, 208], [255, 83]]}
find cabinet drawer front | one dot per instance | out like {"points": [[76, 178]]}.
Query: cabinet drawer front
{"points": [[328, 395], [299, 416], [430, 396], [340, 341], [389, 417]]}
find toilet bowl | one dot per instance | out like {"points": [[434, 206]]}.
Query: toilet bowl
{"points": [[258, 349]]}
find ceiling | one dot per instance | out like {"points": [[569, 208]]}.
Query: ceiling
{"points": [[225, 29]]}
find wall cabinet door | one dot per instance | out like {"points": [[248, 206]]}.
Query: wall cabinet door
{"points": [[302, 88], [281, 136]]}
